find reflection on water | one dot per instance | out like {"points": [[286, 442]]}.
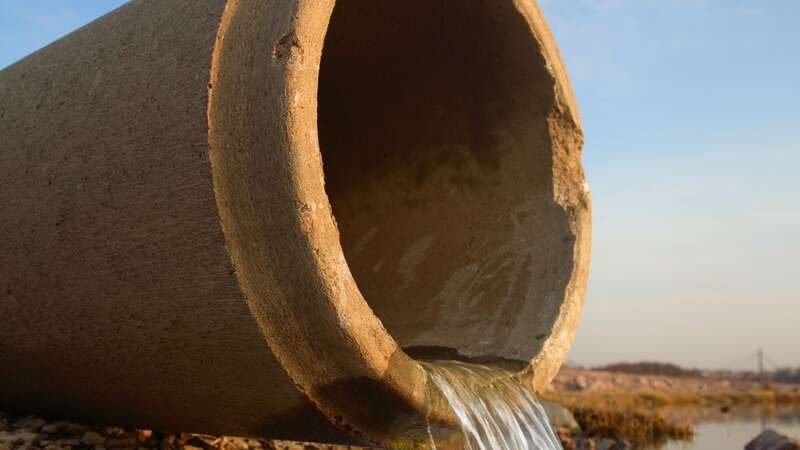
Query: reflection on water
{"points": [[495, 410], [715, 430]]}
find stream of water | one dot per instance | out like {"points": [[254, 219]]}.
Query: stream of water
{"points": [[495, 410]]}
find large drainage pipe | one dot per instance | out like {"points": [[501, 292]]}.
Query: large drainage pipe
{"points": [[169, 178]]}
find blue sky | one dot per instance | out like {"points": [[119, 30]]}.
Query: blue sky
{"points": [[693, 155], [27, 25]]}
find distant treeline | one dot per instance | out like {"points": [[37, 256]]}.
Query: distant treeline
{"points": [[786, 375], [650, 368]]}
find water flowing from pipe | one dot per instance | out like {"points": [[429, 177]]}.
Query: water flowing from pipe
{"points": [[495, 410]]}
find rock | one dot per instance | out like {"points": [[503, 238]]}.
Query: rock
{"points": [[286, 445], [19, 437], [167, 443], [585, 444], [255, 443], [61, 436], [232, 443], [580, 383], [50, 428], [182, 439], [772, 440], [624, 445], [30, 423], [55, 427], [560, 416], [145, 434], [568, 443], [660, 384], [53, 446], [38, 423], [124, 440], [203, 442], [74, 429], [148, 438], [606, 444], [93, 439], [611, 444]]}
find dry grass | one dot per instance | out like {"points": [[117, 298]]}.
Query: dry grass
{"points": [[643, 430], [649, 399], [625, 414], [633, 413]]}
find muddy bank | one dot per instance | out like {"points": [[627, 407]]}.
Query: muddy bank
{"points": [[650, 410], [599, 428]]}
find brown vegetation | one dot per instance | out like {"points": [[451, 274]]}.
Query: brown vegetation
{"points": [[623, 390], [787, 375], [630, 406], [651, 399], [640, 428], [650, 368]]}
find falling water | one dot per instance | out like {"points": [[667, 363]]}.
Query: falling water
{"points": [[495, 410]]}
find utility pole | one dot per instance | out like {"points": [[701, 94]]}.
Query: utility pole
{"points": [[761, 374]]}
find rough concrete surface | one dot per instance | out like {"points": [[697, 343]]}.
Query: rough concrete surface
{"points": [[243, 216]]}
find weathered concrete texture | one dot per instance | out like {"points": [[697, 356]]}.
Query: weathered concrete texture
{"points": [[170, 256]]}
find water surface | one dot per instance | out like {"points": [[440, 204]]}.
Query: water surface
{"points": [[715, 430]]}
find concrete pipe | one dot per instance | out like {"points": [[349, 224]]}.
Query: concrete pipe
{"points": [[250, 216]]}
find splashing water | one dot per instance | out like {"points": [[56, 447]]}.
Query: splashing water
{"points": [[495, 410]]}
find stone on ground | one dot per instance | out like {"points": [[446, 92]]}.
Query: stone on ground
{"points": [[772, 440]]}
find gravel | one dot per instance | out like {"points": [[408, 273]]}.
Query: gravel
{"points": [[35, 433]]}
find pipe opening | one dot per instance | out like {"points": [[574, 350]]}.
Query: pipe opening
{"points": [[433, 125]]}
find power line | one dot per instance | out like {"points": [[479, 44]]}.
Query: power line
{"points": [[738, 362], [771, 363]]}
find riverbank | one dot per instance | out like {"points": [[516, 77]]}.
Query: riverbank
{"points": [[629, 391], [635, 409], [612, 411]]}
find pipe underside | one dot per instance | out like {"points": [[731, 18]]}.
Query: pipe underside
{"points": [[242, 217]]}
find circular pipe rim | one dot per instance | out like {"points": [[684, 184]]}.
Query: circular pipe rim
{"points": [[324, 334]]}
